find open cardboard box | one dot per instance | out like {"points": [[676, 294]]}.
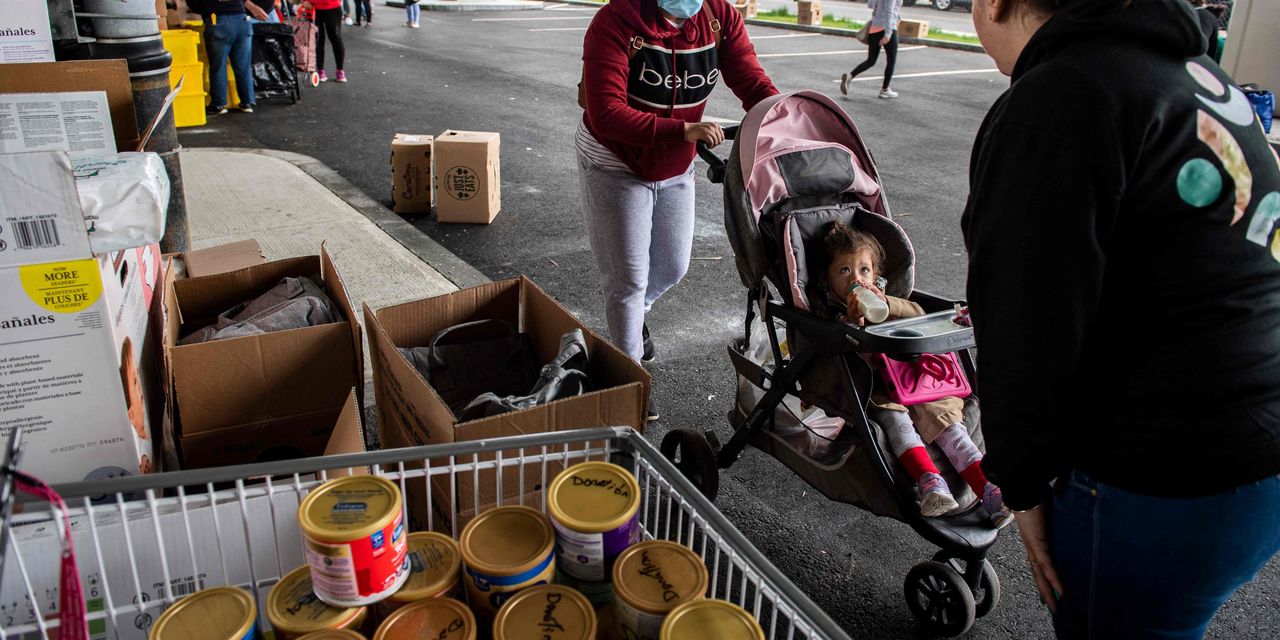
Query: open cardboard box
{"points": [[410, 413], [255, 398]]}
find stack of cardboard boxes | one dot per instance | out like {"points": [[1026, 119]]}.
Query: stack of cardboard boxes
{"points": [[459, 168]]}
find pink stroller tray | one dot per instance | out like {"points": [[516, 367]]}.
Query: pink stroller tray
{"points": [[930, 377]]}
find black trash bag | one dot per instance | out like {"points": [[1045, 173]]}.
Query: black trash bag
{"points": [[293, 303], [274, 60], [469, 359], [564, 377]]}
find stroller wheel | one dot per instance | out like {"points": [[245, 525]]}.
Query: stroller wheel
{"points": [[691, 454], [987, 595], [938, 597]]}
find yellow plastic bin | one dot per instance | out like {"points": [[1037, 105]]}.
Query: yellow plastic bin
{"points": [[183, 45], [188, 109], [194, 73]]}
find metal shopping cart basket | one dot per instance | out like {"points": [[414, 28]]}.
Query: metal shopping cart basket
{"points": [[143, 542]]}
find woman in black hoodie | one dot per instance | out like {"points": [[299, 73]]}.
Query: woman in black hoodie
{"points": [[1124, 281]]}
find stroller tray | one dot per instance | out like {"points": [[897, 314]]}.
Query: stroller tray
{"points": [[931, 333]]}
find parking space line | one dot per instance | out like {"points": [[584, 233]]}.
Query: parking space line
{"points": [[788, 35], [530, 19], [923, 75], [826, 53]]}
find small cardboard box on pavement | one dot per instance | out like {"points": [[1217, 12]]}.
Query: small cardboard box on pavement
{"points": [[914, 28], [469, 188], [411, 174], [410, 413], [253, 398], [78, 356], [809, 12]]}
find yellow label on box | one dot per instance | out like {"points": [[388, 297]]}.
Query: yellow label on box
{"points": [[62, 287]]}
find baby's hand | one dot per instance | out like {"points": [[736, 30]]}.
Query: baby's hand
{"points": [[852, 312]]}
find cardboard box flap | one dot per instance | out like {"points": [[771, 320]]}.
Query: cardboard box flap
{"points": [[223, 258], [203, 299], [481, 137], [260, 378], [413, 324], [111, 76], [348, 433], [425, 417], [337, 289]]}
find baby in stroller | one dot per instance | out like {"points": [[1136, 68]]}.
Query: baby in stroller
{"points": [[854, 259]]}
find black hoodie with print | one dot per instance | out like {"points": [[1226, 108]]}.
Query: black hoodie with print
{"points": [[1124, 273]]}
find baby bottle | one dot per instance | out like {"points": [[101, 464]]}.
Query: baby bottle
{"points": [[870, 305]]}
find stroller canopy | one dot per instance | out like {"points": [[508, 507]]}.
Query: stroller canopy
{"points": [[800, 153]]}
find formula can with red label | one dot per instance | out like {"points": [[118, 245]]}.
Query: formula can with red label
{"points": [[355, 540]]}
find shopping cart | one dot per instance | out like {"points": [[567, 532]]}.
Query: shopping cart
{"points": [[143, 542]]}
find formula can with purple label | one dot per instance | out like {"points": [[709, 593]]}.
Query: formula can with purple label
{"points": [[594, 508]]}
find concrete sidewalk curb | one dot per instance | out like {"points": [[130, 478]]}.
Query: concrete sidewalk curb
{"points": [[830, 31], [453, 268]]}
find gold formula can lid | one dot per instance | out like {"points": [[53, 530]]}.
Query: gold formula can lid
{"points": [[221, 613], [434, 567], [718, 619], [658, 575], [333, 634], [593, 497], [507, 541], [349, 508], [546, 612], [430, 618], [293, 607]]}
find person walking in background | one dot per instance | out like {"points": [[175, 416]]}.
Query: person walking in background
{"points": [[228, 35], [1122, 182], [649, 67], [412, 11], [364, 13], [346, 13], [882, 32], [329, 26]]}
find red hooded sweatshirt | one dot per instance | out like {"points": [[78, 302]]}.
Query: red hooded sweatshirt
{"points": [[638, 108]]}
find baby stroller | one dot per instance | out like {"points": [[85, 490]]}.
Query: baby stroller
{"points": [[798, 164]]}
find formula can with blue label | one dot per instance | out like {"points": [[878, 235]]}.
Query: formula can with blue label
{"points": [[221, 613], [355, 540], [505, 550]]}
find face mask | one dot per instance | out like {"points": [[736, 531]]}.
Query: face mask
{"points": [[683, 9]]}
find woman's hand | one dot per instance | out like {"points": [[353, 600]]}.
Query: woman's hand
{"points": [[708, 132], [255, 11], [1034, 537]]}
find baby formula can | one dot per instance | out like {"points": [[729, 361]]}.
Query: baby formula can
{"points": [[333, 634], [221, 613], [505, 550], [546, 612], [355, 540], [433, 618], [594, 508], [294, 610], [699, 619], [649, 580], [435, 571]]}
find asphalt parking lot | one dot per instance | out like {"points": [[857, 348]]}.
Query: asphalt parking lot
{"points": [[516, 73]]}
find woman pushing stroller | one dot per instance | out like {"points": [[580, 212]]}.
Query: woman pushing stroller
{"points": [[854, 260]]}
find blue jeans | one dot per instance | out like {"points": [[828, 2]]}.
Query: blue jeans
{"points": [[1135, 566], [231, 36], [413, 10]]}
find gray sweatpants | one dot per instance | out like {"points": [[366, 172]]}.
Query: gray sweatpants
{"points": [[641, 234]]}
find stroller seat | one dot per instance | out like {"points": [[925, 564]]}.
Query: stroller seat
{"points": [[798, 164]]}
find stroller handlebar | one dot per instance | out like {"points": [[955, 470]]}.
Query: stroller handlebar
{"points": [[715, 164]]}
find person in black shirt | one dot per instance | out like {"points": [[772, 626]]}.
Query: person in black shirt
{"points": [[1124, 285]]}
